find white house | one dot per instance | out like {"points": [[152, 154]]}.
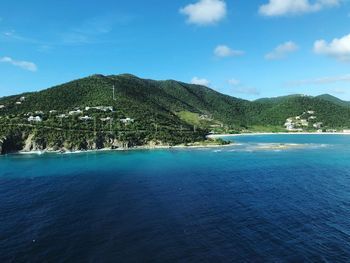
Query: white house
{"points": [[312, 118], [75, 112], [318, 125], [304, 122], [106, 119], [18, 103], [289, 126], [101, 108], [311, 112], [127, 120], [205, 117], [52, 111], [35, 119], [85, 118], [2, 106]]}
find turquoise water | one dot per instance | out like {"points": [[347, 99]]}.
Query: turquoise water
{"points": [[250, 202]]}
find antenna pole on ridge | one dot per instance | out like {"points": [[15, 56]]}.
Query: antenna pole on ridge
{"points": [[113, 92]]}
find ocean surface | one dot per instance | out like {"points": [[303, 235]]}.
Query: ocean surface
{"points": [[254, 201]]}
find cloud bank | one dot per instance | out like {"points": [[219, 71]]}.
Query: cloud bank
{"points": [[320, 81], [295, 7]]}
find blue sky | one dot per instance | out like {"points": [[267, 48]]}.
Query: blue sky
{"points": [[247, 49]]}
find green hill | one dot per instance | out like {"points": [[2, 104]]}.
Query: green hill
{"points": [[334, 100], [332, 115], [145, 112], [278, 99]]}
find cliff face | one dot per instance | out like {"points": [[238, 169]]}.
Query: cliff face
{"points": [[2, 139], [11, 143], [34, 143]]}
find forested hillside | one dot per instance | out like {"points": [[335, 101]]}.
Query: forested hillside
{"points": [[125, 111]]}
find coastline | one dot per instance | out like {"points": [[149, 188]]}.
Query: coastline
{"points": [[215, 136], [165, 147], [136, 148]]}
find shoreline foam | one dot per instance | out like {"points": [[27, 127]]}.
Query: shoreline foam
{"points": [[136, 148]]}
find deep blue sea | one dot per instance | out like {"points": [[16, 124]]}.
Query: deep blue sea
{"points": [[249, 202]]}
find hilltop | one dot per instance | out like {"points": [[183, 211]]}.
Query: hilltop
{"points": [[120, 111]]}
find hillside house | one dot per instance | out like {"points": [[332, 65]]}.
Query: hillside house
{"points": [[304, 122], [85, 118], [126, 120], [35, 119], [318, 125], [62, 116], [205, 117], [100, 108], [289, 126], [75, 112]]}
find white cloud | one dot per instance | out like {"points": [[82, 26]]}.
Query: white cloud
{"points": [[234, 82], [225, 51], [339, 91], [242, 89], [200, 81], [295, 7], [338, 48], [21, 64], [282, 51], [246, 90], [91, 30], [205, 12], [321, 81], [11, 35]]}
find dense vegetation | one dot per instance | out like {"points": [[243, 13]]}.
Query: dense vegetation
{"points": [[164, 112]]}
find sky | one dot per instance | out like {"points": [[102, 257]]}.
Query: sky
{"points": [[247, 49]]}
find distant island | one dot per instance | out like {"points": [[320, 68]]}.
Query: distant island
{"points": [[124, 111]]}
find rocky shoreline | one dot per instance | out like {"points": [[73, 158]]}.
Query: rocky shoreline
{"points": [[30, 146]]}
